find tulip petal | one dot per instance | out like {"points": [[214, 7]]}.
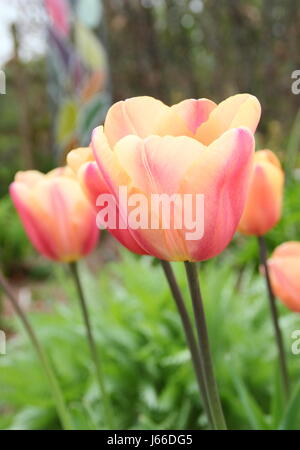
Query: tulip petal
{"points": [[194, 112], [92, 181], [57, 217], [267, 156], [284, 268], [285, 280], [237, 111], [95, 186], [113, 176], [77, 157], [287, 249], [29, 177], [264, 200], [142, 116], [225, 167], [157, 164], [112, 172], [34, 227]]}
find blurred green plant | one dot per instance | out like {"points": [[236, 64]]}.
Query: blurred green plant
{"points": [[144, 355], [245, 249], [14, 245]]}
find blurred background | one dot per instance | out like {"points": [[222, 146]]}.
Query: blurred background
{"points": [[65, 62]]}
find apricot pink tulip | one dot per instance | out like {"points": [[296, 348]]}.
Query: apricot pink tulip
{"points": [[56, 214], [193, 147], [264, 200], [284, 268]]}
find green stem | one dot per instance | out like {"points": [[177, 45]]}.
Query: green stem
{"points": [[212, 388], [58, 397], [275, 321], [92, 344], [189, 334]]}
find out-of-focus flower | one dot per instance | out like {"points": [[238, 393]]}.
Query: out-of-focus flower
{"points": [[284, 268], [78, 157], [57, 216], [264, 201], [82, 162], [194, 147], [59, 12]]}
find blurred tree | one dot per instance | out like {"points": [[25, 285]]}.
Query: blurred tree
{"points": [[25, 138], [136, 64], [174, 49]]}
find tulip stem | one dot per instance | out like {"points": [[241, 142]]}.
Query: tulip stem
{"points": [[203, 340], [92, 344], [58, 397], [189, 334], [275, 321]]}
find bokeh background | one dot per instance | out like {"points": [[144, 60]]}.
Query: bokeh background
{"points": [[65, 62]]}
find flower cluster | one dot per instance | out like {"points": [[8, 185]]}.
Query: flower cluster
{"points": [[174, 183], [193, 147]]}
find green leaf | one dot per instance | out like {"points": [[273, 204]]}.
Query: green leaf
{"points": [[34, 418], [251, 408], [291, 419]]}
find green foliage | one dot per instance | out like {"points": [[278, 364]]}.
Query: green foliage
{"points": [[144, 356], [25, 127], [293, 145], [14, 244], [244, 248]]}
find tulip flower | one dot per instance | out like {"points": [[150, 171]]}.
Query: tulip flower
{"points": [[264, 201], [61, 224], [194, 147], [261, 213], [57, 216], [284, 268], [82, 162]]}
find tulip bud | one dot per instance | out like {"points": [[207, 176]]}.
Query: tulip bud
{"points": [[57, 216], [284, 268], [264, 201]]}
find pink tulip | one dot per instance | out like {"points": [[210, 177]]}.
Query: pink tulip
{"points": [[57, 216], [264, 200], [284, 267], [194, 147]]}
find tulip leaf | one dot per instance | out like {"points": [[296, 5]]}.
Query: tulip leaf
{"points": [[291, 419], [31, 417], [251, 408]]}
